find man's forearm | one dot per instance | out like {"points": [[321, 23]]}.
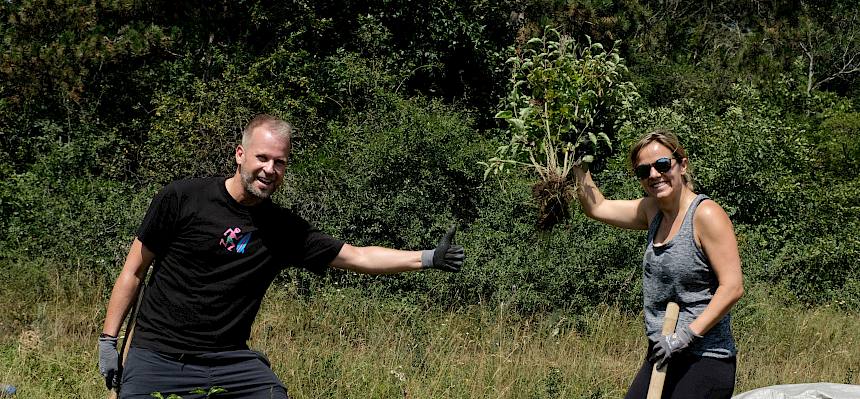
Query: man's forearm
{"points": [[123, 294], [447, 256], [377, 260], [125, 289]]}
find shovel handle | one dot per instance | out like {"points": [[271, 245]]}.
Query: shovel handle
{"points": [[658, 376], [129, 330]]}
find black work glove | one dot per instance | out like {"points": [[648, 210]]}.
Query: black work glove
{"points": [[446, 256], [109, 360], [669, 345]]}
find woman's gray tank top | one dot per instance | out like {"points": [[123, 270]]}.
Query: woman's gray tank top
{"points": [[678, 271]]}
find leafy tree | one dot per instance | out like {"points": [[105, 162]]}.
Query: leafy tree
{"points": [[830, 44], [59, 66]]}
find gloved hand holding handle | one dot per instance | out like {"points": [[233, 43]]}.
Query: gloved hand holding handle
{"points": [[671, 344], [108, 360]]}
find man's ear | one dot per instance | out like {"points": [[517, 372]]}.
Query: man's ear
{"points": [[240, 154]]}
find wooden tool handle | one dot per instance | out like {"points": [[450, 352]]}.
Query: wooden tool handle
{"points": [[658, 376], [113, 393]]}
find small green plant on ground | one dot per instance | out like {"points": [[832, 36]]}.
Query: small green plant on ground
{"points": [[199, 391], [564, 100]]}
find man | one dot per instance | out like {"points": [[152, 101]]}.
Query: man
{"points": [[217, 245]]}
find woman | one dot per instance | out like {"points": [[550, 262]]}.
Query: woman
{"points": [[691, 259]]}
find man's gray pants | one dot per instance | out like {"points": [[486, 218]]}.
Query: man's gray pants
{"points": [[242, 373]]}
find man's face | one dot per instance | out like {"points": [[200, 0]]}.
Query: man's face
{"points": [[262, 162]]}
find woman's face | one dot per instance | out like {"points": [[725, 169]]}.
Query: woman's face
{"points": [[657, 184]]}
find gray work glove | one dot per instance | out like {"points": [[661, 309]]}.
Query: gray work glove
{"points": [[109, 360], [668, 345], [446, 256]]}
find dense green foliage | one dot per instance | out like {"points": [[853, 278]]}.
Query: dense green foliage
{"points": [[563, 95], [101, 103]]}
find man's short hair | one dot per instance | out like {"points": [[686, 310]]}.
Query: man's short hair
{"points": [[276, 125]]}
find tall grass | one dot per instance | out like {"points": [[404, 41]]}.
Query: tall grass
{"points": [[344, 343], [48, 321]]}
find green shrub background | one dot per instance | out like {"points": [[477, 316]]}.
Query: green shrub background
{"points": [[103, 103]]}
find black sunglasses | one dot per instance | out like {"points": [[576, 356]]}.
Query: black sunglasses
{"points": [[644, 170]]}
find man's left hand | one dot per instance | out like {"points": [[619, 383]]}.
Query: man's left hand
{"points": [[669, 345], [446, 256]]}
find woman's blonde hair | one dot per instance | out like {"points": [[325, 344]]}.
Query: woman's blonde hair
{"points": [[669, 140]]}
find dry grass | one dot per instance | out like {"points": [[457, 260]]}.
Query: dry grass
{"points": [[788, 344], [346, 345], [354, 347]]}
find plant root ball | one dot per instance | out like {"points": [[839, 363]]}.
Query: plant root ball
{"points": [[553, 197]]}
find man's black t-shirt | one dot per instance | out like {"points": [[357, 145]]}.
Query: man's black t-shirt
{"points": [[214, 260]]}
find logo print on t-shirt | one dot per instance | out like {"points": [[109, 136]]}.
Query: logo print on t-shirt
{"points": [[234, 240]]}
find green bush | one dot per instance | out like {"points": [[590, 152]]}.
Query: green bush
{"points": [[101, 104], [764, 166], [79, 221], [837, 146]]}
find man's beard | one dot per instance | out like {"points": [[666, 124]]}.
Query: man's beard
{"points": [[248, 184]]}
